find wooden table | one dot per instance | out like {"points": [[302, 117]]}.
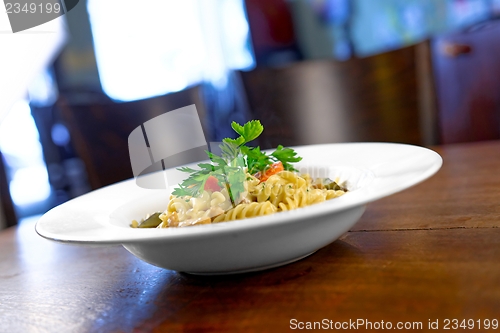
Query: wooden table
{"points": [[423, 256]]}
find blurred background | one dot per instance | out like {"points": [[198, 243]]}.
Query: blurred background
{"points": [[422, 72]]}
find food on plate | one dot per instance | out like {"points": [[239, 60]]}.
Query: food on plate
{"points": [[242, 182]]}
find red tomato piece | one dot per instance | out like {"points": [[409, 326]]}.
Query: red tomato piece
{"points": [[212, 184], [272, 170]]}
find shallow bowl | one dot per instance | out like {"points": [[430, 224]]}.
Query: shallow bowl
{"points": [[369, 170]]}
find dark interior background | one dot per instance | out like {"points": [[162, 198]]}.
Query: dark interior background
{"points": [[441, 89]]}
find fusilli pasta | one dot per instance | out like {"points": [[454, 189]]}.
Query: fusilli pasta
{"points": [[282, 191]]}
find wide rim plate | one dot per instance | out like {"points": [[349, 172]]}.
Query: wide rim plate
{"points": [[386, 168]]}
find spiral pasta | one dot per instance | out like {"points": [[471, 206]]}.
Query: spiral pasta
{"points": [[287, 190], [243, 210], [282, 191]]}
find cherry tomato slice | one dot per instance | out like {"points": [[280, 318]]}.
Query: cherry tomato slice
{"points": [[272, 170], [212, 184]]}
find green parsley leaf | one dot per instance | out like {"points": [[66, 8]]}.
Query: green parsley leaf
{"points": [[230, 149], [235, 142], [236, 159], [250, 131], [186, 169], [193, 185], [286, 156], [235, 183], [216, 160], [256, 160]]}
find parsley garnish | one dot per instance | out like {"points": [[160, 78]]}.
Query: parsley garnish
{"points": [[286, 156], [236, 159]]}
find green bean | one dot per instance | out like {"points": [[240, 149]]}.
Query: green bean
{"points": [[151, 222]]}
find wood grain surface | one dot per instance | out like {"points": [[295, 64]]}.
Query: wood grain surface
{"points": [[429, 253]]}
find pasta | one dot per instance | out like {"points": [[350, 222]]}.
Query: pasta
{"points": [[243, 182], [282, 191], [243, 210]]}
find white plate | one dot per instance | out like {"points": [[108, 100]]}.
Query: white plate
{"points": [[371, 170]]}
